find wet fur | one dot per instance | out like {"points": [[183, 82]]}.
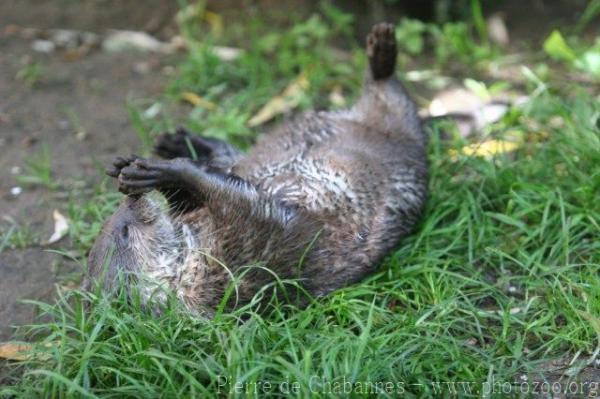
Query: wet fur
{"points": [[321, 199]]}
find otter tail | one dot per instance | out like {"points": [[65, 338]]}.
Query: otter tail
{"points": [[382, 51]]}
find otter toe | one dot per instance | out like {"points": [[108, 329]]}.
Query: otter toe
{"points": [[119, 163], [171, 146]]}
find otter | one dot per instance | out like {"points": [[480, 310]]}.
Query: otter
{"points": [[319, 201]]}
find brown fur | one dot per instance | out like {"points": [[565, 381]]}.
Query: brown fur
{"points": [[322, 199]]}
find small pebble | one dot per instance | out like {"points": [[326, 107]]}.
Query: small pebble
{"points": [[65, 37], [168, 70], [43, 46], [497, 30], [141, 67], [89, 38], [16, 191], [15, 170], [29, 33]]}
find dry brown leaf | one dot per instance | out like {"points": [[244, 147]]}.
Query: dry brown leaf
{"points": [[215, 21], [196, 100], [227, 53], [61, 227], [196, 12], [287, 100], [125, 40], [486, 149], [497, 29], [24, 351], [459, 100], [336, 97], [15, 350], [68, 287]]}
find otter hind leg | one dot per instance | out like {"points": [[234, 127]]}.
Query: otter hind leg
{"points": [[182, 144], [207, 150], [381, 50], [384, 105]]}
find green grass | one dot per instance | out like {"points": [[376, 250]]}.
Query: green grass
{"points": [[500, 276], [38, 170], [30, 73]]}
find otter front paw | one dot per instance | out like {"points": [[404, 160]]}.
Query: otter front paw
{"points": [[143, 175], [119, 163], [136, 175]]}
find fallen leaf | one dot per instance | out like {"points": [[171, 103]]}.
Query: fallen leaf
{"points": [[196, 100], [455, 101], [152, 111], [123, 40], [556, 47], [497, 30], [69, 286], [196, 12], [226, 53], [287, 100], [15, 350], [486, 149], [215, 21], [23, 351], [61, 227], [75, 54], [336, 97]]}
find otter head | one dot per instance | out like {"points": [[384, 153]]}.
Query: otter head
{"points": [[139, 242]]}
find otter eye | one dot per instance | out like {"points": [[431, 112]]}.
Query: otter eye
{"points": [[125, 232]]}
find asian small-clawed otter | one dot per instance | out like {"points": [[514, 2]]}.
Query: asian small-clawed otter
{"points": [[320, 200]]}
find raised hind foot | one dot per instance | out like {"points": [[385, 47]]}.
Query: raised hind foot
{"points": [[381, 50], [205, 150], [182, 144]]}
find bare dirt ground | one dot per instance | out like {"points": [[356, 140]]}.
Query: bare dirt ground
{"points": [[95, 88]]}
